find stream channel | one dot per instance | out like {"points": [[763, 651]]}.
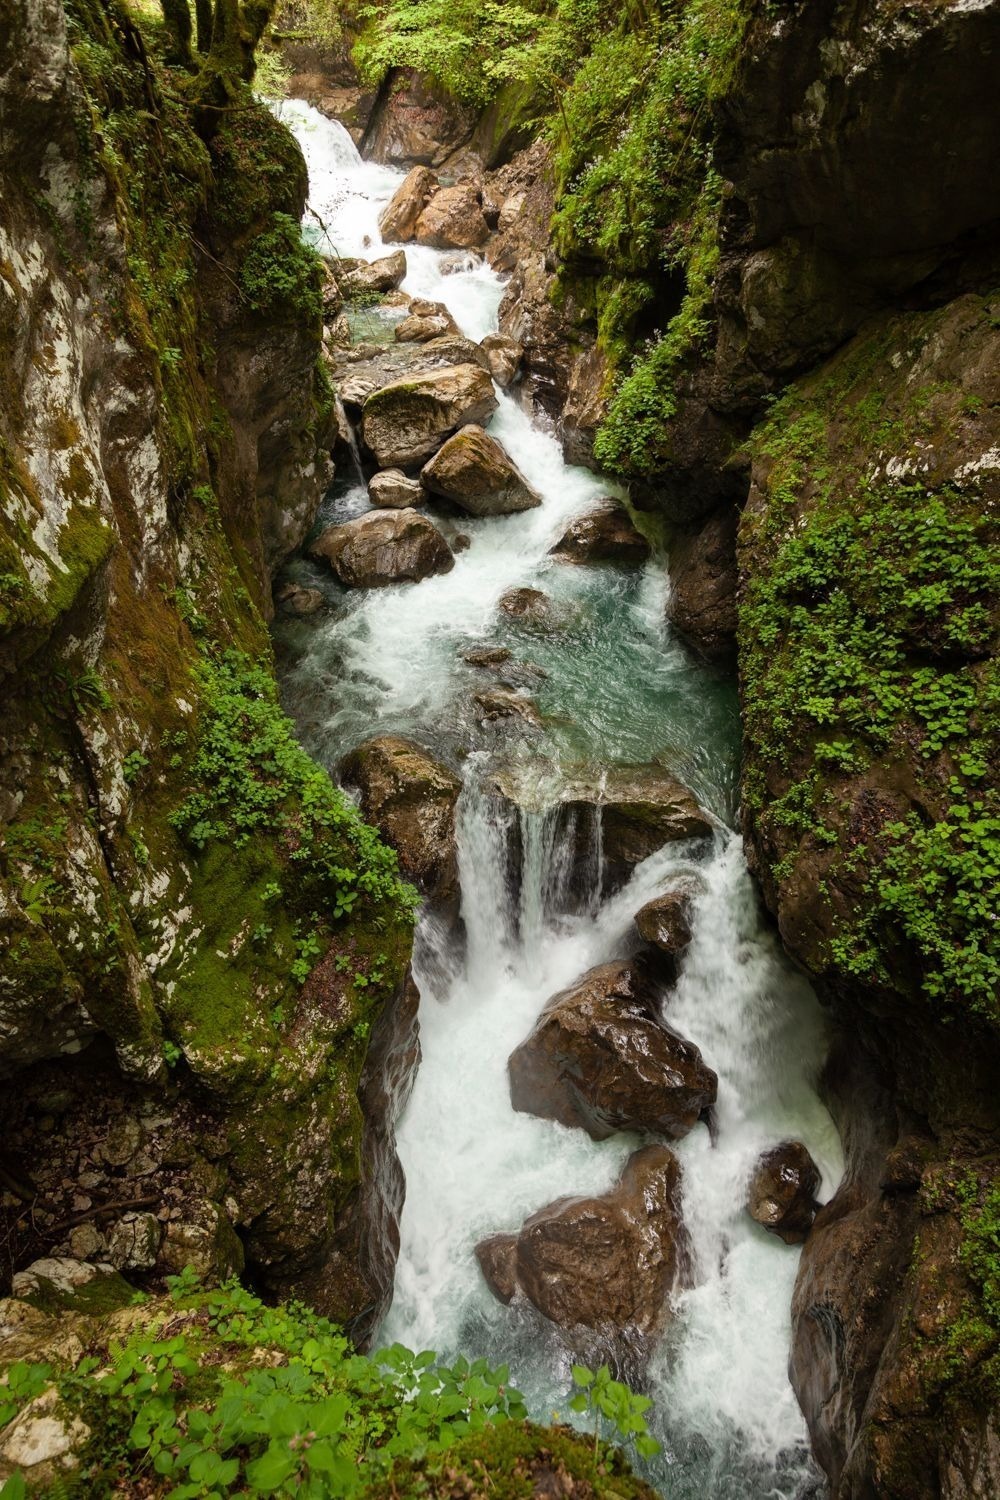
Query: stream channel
{"points": [[619, 688]]}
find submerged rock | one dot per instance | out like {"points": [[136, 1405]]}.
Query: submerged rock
{"points": [[294, 599], [606, 1263], [599, 1057], [404, 424], [382, 548], [532, 607], [503, 703], [398, 219], [453, 219], [474, 472], [781, 1196], [391, 489], [411, 799], [604, 534]]}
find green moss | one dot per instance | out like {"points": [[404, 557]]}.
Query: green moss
{"points": [[868, 635], [281, 275]]}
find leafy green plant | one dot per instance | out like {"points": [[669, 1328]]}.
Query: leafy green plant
{"points": [[611, 1401]]}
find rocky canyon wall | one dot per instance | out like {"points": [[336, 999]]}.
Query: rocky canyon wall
{"points": [[183, 1020]]}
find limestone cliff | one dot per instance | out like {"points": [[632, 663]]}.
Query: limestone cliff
{"points": [[197, 934]]}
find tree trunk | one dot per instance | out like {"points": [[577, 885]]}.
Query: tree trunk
{"points": [[177, 15], [203, 13]]}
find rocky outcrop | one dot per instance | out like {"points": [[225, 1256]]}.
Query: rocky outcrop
{"points": [[473, 472], [702, 604], [607, 1264], [600, 1058], [404, 424], [382, 548], [453, 219], [411, 799], [398, 219], [414, 123], [604, 534], [781, 1196]]}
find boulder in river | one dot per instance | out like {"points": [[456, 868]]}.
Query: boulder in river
{"points": [[405, 423], [604, 534], [474, 472], [665, 923], [398, 219], [505, 355], [606, 1263], [782, 1192], [532, 607], [503, 703], [364, 278], [391, 489], [453, 219], [384, 547], [295, 599], [410, 797], [600, 1057], [641, 809], [416, 329]]}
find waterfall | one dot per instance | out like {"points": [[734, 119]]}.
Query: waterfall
{"points": [[614, 687]]}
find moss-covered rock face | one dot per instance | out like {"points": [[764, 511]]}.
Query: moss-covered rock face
{"points": [[869, 632], [176, 878]]}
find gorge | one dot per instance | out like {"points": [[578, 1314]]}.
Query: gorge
{"points": [[685, 365]]}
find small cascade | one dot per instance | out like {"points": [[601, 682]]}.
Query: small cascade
{"points": [[612, 687]]}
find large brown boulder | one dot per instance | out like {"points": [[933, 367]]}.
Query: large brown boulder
{"points": [[782, 1192], [604, 534], [608, 1263], [405, 423], [600, 1057], [505, 357], [665, 924], [453, 219], [410, 797], [474, 472], [641, 809], [384, 547], [398, 219]]}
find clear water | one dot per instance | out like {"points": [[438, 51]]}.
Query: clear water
{"points": [[617, 689]]}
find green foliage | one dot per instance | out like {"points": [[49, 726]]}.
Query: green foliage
{"points": [[602, 1397], [23, 1382], [282, 274], [251, 779], [869, 632], [291, 1410]]}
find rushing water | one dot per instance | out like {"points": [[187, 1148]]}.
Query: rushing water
{"points": [[617, 688]]}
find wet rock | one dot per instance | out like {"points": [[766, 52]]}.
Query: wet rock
{"points": [[606, 1263], [43, 1433], [604, 534], [531, 606], [665, 922], [361, 369], [703, 579], [294, 599], [474, 472], [488, 657], [497, 1257], [461, 542], [365, 278], [415, 122], [133, 1242], [505, 355], [382, 548], [641, 808], [410, 797], [405, 424], [391, 489], [333, 297], [782, 1192], [398, 219], [453, 219], [600, 1058], [502, 703]]}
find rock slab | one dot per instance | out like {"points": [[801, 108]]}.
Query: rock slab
{"points": [[382, 548]]}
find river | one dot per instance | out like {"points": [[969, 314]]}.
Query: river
{"points": [[618, 689]]}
